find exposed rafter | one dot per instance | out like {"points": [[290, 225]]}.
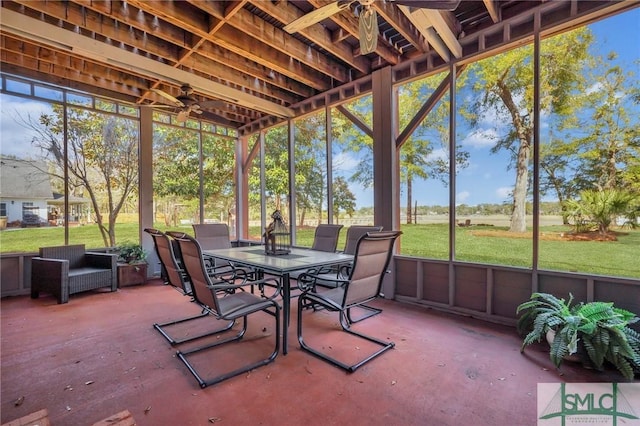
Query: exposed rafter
{"points": [[238, 51]]}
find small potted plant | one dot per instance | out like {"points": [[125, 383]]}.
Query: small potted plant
{"points": [[132, 264], [595, 331]]}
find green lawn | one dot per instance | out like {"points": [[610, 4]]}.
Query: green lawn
{"points": [[619, 258]]}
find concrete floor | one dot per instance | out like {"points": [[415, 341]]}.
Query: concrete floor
{"points": [[99, 354]]}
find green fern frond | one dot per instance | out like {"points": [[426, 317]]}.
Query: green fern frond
{"points": [[623, 366], [559, 349], [596, 356]]}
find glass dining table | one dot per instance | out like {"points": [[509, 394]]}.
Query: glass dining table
{"points": [[299, 259]]}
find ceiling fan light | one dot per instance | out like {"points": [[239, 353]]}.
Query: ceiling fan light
{"points": [[182, 116]]}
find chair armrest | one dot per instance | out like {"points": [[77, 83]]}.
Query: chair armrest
{"points": [[102, 260], [225, 286], [307, 280], [51, 276], [50, 269]]}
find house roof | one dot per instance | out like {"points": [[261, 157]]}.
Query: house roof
{"points": [[240, 56], [24, 179]]}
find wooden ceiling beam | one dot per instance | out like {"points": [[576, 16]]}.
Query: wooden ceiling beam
{"points": [[349, 23], [423, 25], [492, 8], [444, 25], [237, 63], [71, 41], [228, 39], [94, 21], [286, 13], [80, 73], [61, 81], [240, 44], [196, 61], [261, 33], [59, 60], [109, 28], [151, 26], [398, 20]]}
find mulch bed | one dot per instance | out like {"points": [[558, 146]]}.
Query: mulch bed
{"points": [[552, 236]]}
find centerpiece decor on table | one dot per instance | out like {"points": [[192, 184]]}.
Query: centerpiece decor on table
{"points": [[277, 238]]}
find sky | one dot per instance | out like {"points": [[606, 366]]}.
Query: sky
{"points": [[486, 179]]}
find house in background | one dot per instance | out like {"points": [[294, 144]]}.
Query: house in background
{"points": [[27, 199], [24, 192]]}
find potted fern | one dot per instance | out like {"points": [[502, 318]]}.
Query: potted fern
{"points": [[595, 331], [132, 264]]}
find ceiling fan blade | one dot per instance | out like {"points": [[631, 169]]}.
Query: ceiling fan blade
{"points": [[317, 15], [212, 104], [429, 4], [165, 95], [368, 31]]}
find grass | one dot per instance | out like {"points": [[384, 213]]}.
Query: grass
{"points": [[617, 258]]}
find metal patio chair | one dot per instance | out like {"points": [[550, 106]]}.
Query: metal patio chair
{"points": [[212, 236], [372, 257], [178, 278], [226, 302], [325, 238], [331, 277]]}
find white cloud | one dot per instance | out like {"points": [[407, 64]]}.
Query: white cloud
{"points": [[16, 138], [438, 154], [344, 162], [594, 88], [462, 196], [481, 138], [504, 192]]}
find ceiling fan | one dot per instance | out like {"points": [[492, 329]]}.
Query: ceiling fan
{"points": [[186, 103], [367, 19]]}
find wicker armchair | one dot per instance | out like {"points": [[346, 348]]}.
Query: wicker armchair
{"points": [[66, 270]]}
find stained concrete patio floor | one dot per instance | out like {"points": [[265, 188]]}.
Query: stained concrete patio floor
{"points": [[99, 354]]}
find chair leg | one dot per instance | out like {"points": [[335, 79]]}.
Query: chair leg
{"points": [[371, 312], [344, 323], [204, 382], [173, 342]]}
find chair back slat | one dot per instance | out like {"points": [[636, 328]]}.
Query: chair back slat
{"points": [[164, 250], [73, 253], [354, 233], [326, 237], [194, 264], [373, 253], [212, 236]]}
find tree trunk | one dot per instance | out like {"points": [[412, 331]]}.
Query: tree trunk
{"points": [[302, 215], [518, 214], [524, 132]]}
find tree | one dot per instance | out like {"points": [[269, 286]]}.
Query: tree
{"points": [[102, 151], [177, 171], [276, 165], [343, 198], [310, 165], [609, 139], [504, 84], [425, 154], [557, 164], [600, 207]]}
